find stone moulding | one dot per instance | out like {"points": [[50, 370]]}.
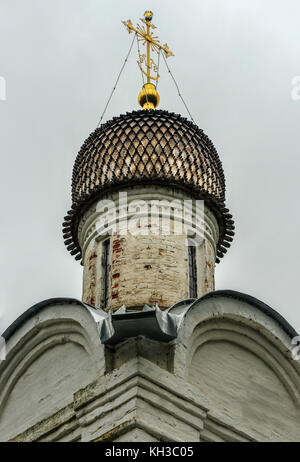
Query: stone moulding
{"points": [[139, 395], [143, 386]]}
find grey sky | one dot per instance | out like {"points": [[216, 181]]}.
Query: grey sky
{"points": [[234, 61]]}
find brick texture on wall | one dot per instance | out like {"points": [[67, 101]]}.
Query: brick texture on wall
{"points": [[148, 268]]}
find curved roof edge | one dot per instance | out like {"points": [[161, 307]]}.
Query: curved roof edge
{"points": [[36, 309], [113, 326], [257, 304], [216, 294]]}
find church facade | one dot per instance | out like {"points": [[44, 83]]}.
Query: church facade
{"points": [[152, 352]]}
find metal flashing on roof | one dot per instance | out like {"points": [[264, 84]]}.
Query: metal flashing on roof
{"points": [[263, 307], [150, 322]]}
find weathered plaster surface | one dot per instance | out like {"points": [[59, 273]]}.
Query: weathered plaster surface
{"points": [[52, 355], [229, 376], [149, 267]]}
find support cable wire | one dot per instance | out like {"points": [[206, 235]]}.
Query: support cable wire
{"points": [[176, 85], [116, 83]]}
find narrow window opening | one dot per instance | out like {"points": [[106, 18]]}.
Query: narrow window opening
{"points": [[192, 271], [106, 265]]}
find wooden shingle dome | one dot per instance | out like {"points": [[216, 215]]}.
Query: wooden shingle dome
{"points": [[148, 147]]}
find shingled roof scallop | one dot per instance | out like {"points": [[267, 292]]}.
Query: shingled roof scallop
{"points": [[148, 146]]}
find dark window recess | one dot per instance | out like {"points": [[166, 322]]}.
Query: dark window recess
{"points": [[106, 264], [192, 271]]}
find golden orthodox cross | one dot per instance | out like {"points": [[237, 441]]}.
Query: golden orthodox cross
{"points": [[146, 37]]}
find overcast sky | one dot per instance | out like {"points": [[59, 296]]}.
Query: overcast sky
{"points": [[234, 61]]}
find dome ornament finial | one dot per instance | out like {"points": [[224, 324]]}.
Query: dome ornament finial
{"points": [[148, 97]]}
